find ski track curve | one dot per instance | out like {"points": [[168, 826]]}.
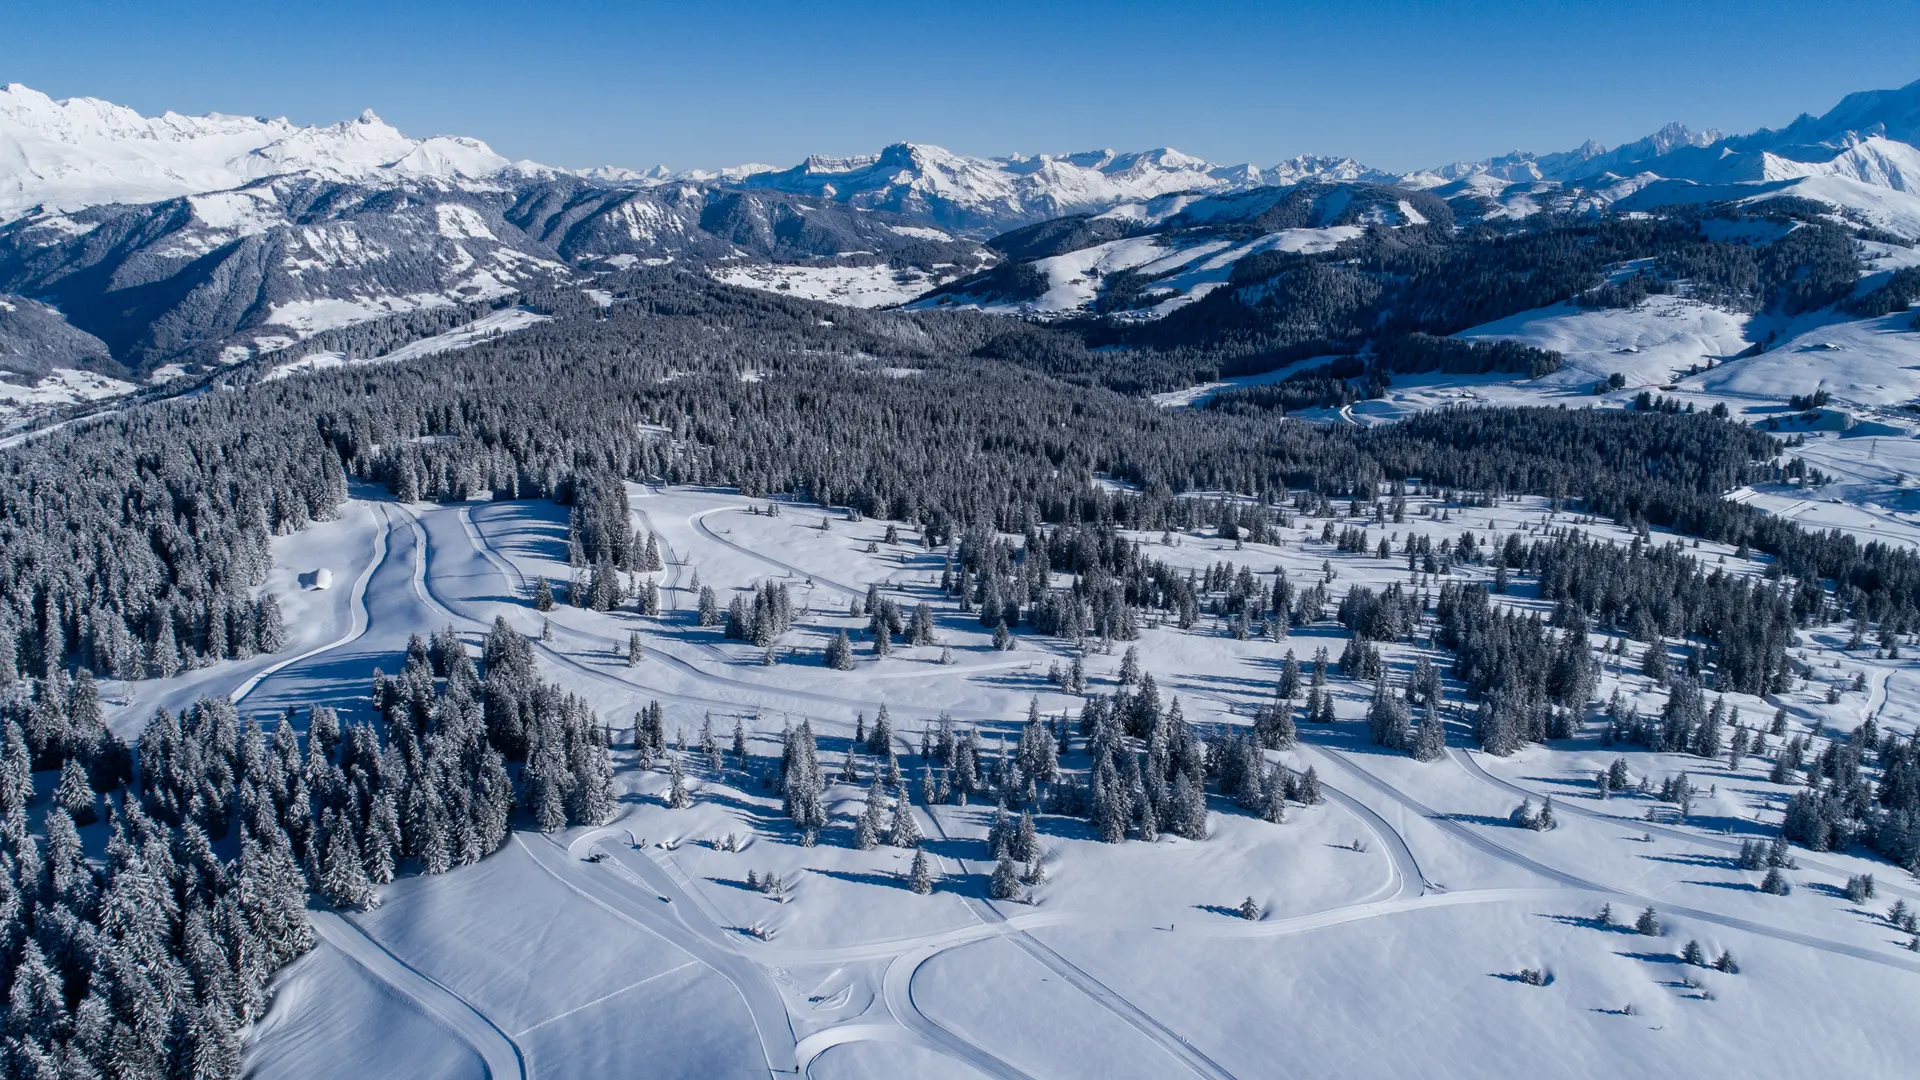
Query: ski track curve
{"points": [[666, 919], [646, 873], [1464, 757], [1405, 864], [1508, 855], [496, 1048], [896, 988], [699, 521], [1108, 998], [675, 563], [758, 695], [358, 620], [750, 979]]}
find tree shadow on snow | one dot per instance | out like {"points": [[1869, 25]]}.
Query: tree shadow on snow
{"points": [[861, 877], [1591, 923], [1711, 861], [1652, 958], [1480, 819], [1730, 886], [1580, 783]]}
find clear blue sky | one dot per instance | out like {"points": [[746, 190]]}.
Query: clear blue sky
{"points": [[575, 83]]}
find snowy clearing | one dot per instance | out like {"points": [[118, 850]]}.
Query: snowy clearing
{"points": [[853, 286]]}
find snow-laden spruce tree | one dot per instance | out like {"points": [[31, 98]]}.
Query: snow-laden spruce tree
{"points": [[866, 833], [920, 877], [677, 796], [906, 829], [801, 782], [1005, 882]]}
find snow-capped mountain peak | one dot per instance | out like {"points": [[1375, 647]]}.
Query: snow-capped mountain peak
{"points": [[79, 152], [349, 148], [986, 195]]}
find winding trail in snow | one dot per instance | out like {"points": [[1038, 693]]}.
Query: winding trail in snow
{"points": [[644, 891], [1406, 866], [772, 699], [1506, 854], [896, 989], [1108, 998], [359, 620], [675, 562], [1575, 806], [664, 913], [699, 521], [449, 1010]]}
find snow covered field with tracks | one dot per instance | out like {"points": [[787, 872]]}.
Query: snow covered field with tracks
{"points": [[1394, 917]]}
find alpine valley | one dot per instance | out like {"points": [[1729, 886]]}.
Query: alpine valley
{"points": [[1085, 615]]}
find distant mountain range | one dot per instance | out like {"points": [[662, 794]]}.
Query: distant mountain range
{"points": [[172, 241], [66, 155]]}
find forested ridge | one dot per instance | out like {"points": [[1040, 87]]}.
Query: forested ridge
{"points": [[1386, 300]]}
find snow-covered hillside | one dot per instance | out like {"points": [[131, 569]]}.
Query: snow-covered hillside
{"points": [[1144, 260]]}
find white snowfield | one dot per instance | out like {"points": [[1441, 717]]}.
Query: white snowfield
{"points": [[850, 286], [61, 386], [485, 328], [1403, 902]]}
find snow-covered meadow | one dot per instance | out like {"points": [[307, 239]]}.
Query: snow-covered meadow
{"points": [[1393, 921]]}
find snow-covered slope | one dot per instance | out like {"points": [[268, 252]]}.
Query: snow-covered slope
{"points": [[1868, 138], [1145, 260], [180, 280], [35, 339], [221, 275]]}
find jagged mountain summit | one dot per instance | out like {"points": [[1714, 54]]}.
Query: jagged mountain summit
{"points": [[79, 152], [987, 195], [1867, 139]]}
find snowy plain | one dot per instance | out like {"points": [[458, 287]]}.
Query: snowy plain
{"points": [[1395, 915]]}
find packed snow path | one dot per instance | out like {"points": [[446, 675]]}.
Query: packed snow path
{"points": [[699, 521], [449, 1010], [358, 627], [665, 917]]}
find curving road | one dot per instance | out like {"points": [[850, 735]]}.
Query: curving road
{"points": [[699, 521], [441, 1005], [359, 620]]}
